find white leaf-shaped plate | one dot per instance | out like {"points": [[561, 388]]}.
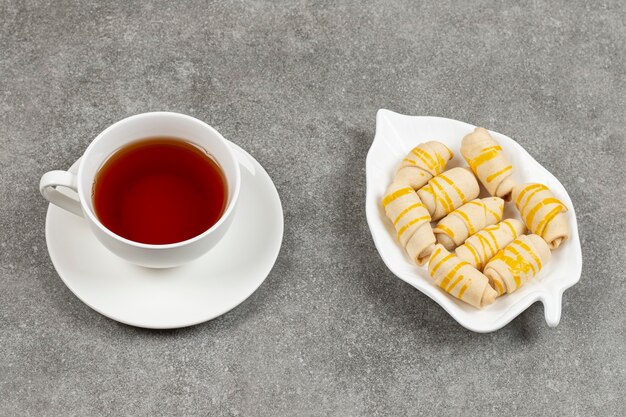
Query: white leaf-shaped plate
{"points": [[396, 135]]}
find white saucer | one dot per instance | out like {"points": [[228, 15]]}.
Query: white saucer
{"points": [[176, 297]]}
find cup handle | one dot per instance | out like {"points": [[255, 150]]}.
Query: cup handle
{"points": [[47, 187]]}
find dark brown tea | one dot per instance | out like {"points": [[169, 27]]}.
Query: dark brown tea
{"points": [[159, 190]]}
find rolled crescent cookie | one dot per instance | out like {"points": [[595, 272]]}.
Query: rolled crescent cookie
{"points": [[542, 212], [411, 221], [488, 162], [460, 279], [424, 161], [448, 191], [517, 263], [467, 220], [479, 248]]}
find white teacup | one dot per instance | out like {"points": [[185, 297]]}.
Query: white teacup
{"points": [[113, 138]]}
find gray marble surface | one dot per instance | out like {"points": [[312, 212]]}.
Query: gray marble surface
{"points": [[298, 84]]}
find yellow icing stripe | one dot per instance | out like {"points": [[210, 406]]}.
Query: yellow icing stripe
{"points": [[485, 155], [497, 256], [495, 174], [440, 163], [411, 223], [424, 157], [451, 287], [406, 210], [499, 287], [547, 219], [482, 239], [453, 185], [410, 161], [438, 264], [474, 254], [468, 222], [495, 215], [462, 291], [513, 231], [435, 253], [490, 148], [482, 245], [444, 197], [518, 264], [445, 229], [524, 265], [529, 199], [396, 194], [451, 273], [493, 227], [493, 238], [532, 254], [531, 214], [429, 189], [520, 197], [514, 267]]}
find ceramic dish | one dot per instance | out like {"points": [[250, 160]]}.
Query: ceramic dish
{"points": [[396, 135]]}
